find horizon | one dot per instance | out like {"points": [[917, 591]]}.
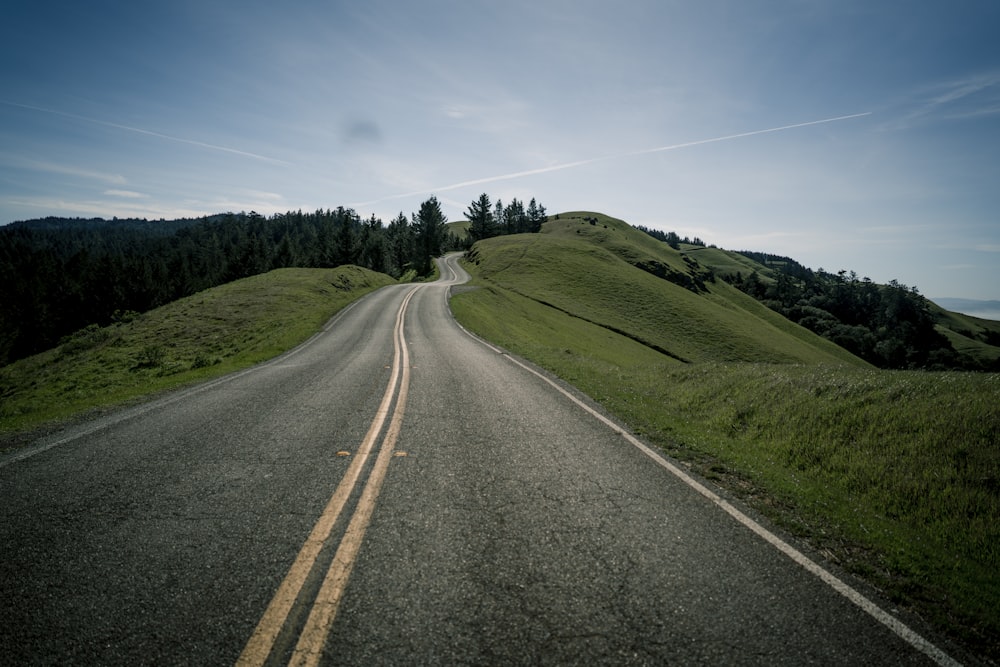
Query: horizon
{"points": [[845, 136]]}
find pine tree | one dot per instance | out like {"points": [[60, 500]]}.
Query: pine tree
{"points": [[399, 239], [480, 215], [536, 216], [429, 233]]}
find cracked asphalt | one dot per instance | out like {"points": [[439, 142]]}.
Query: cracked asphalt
{"points": [[516, 529]]}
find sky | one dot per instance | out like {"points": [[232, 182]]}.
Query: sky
{"points": [[858, 134]]}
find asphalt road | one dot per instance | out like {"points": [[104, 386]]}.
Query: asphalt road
{"points": [[396, 492]]}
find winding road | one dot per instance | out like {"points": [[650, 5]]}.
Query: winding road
{"points": [[397, 492]]}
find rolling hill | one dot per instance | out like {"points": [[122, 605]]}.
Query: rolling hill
{"points": [[601, 270]]}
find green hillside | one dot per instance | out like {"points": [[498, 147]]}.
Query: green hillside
{"points": [[728, 264], [209, 334], [609, 274], [972, 336], [892, 475], [459, 228]]}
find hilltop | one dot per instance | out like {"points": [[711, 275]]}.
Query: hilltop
{"points": [[602, 271]]}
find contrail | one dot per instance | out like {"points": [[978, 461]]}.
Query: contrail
{"points": [[139, 130], [580, 163]]}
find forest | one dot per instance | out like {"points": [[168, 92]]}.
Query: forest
{"points": [[890, 326], [60, 275]]}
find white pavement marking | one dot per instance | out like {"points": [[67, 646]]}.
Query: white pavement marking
{"points": [[837, 584]]}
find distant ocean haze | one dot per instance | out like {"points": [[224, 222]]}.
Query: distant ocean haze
{"points": [[987, 310]]}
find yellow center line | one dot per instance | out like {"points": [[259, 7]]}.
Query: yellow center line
{"points": [[261, 642], [310, 647]]}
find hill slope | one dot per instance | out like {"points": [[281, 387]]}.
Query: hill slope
{"points": [[615, 277], [208, 334]]}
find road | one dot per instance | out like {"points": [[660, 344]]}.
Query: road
{"points": [[397, 492]]}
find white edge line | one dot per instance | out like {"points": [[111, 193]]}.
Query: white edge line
{"points": [[901, 629]]}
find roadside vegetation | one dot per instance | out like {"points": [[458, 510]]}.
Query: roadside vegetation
{"points": [[202, 336], [893, 475]]}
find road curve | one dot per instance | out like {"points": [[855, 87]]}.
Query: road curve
{"points": [[394, 492]]}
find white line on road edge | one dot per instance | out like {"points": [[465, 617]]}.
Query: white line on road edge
{"points": [[872, 609]]}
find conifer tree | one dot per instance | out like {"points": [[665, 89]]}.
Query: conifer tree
{"points": [[480, 215], [429, 234]]}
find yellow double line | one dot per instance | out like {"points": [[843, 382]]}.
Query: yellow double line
{"points": [[324, 609]]}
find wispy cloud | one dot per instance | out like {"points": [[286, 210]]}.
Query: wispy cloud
{"points": [[972, 96], [70, 170], [581, 163], [151, 133], [127, 194]]}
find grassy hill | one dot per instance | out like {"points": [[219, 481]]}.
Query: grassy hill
{"points": [[206, 335], [608, 274], [893, 475], [458, 228], [972, 337]]}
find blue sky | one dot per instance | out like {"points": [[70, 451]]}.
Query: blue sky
{"points": [[653, 111]]}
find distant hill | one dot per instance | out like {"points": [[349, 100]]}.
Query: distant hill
{"points": [[139, 225], [892, 326]]}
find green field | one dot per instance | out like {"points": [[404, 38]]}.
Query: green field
{"points": [[202, 336], [893, 475]]}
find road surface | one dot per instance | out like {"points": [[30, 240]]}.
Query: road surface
{"points": [[397, 492]]}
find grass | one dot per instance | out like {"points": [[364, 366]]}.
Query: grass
{"points": [[896, 475], [969, 335], [202, 336], [595, 281], [729, 264], [893, 475]]}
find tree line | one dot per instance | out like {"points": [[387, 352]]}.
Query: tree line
{"points": [[890, 326], [487, 220], [60, 275], [671, 238]]}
